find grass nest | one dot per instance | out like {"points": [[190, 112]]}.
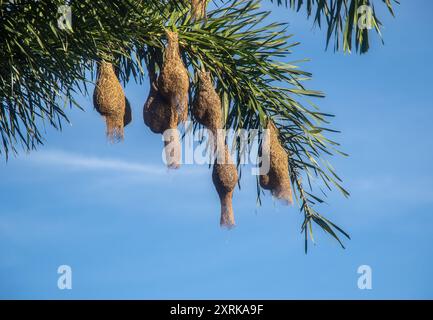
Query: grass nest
{"points": [[173, 80], [206, 107], [277, 179], [225, 178], [109, 100], [161, 118], [157, 113]]}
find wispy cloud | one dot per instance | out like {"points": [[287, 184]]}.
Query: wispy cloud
{"points": [[86, 162]]}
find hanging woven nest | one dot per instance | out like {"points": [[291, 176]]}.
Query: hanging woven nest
{"points": [[157, 113], [162, 119], [109, 100], [225, 178], [207, 110], [173, 81], [206, 107], [277, 179]]}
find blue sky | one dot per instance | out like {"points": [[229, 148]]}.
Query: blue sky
{"points": [[131, 229]]}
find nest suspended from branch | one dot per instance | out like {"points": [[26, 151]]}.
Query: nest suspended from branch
{"points": [[157, 113], [207, 109], [173, 81], [163, 119], [225, 178], [167, 104], [109, 100], [277, 179]]}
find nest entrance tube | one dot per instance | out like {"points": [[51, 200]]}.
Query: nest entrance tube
{"points": [[110, 101], [225, 178], [277, 179]]}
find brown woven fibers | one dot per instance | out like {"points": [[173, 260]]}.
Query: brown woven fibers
{"points": [[225, 177], [160, 117], [109, 100], [157, 114], [277, 179], [173, 81], [198, 9], [206, 107], [207, 110]]}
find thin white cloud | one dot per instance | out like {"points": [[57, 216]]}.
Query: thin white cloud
{"points": [[78, 161], [84, 162]]}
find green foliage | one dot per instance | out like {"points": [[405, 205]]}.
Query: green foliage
{"points": [[42, 69], [341, 19]]}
